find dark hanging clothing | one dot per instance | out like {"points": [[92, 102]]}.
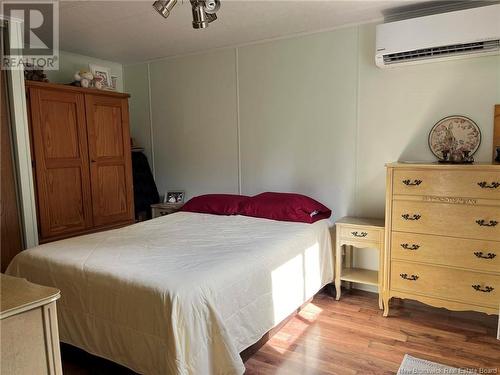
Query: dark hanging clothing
{"points": [[145, 191]]}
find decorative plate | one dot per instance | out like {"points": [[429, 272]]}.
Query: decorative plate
{"points": [[454, 138]]}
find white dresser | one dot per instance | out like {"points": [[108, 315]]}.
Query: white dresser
{"points": [[443, 235], [29, 340]]}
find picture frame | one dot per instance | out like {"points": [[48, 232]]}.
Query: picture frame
{"points": [[102, 72], [174, 197], [455, 139], [114, 82]]}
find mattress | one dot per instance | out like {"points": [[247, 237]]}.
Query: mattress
{"points": [[184, 293]]}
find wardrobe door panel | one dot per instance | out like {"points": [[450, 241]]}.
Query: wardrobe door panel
{"points": [[110, 166], [67, 183], [62, 166], [108, 135], [112, 182], [60, 131]]}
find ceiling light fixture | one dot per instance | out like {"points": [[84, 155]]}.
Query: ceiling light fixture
{"points": [[164, 7], [204, 11]]}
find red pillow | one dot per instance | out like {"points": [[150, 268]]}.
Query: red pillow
{"points": [[285, 207], [217, 204]]}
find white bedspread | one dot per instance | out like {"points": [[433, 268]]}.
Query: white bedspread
{"points": [[184, 293]]}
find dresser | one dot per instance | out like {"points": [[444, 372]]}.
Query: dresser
{"points": [[443, 235], [29, 340]]}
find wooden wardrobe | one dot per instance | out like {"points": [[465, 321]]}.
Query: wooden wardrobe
{"points": [[80, 142]]}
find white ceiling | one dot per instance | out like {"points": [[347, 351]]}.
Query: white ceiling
{"points": [[132, 31]]}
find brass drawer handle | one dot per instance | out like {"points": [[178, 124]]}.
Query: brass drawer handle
{"points": [[412, 183], [484, 223], [408, 247], [410, 278], [485, 185], [357, 234], [481, 255], [411, 217], [486, 289]]}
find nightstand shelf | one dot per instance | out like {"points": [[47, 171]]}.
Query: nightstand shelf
{"points": [[358, 233], [360, 275]]}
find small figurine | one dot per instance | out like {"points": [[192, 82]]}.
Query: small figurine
{"points": [[83, 78], [32, 74], [446, 155]]}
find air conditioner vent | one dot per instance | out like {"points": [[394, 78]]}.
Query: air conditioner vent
{"points": [[440, 52]]}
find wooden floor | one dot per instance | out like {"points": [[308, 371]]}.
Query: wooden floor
{"points": [[350, 336]]}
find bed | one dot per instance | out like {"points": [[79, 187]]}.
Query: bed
{"points": [[184, 293]]}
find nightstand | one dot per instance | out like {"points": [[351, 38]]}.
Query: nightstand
{"points": [[162, 209], [359, 233]]}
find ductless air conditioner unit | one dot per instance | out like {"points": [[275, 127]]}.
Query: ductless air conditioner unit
{"points": [[453, 35]]}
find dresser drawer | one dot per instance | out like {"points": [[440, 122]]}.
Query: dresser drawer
{"points": [[472, 254], [448, 183], [354, 233], [447, 283], [455, 220]]}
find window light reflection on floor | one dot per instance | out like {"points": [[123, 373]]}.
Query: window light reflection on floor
{"points": [[284, 340]]}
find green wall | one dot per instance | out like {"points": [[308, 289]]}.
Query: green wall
{"points": [[137, 85], [297, 100], [70, 63], [311, 114], [194, 116]]}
